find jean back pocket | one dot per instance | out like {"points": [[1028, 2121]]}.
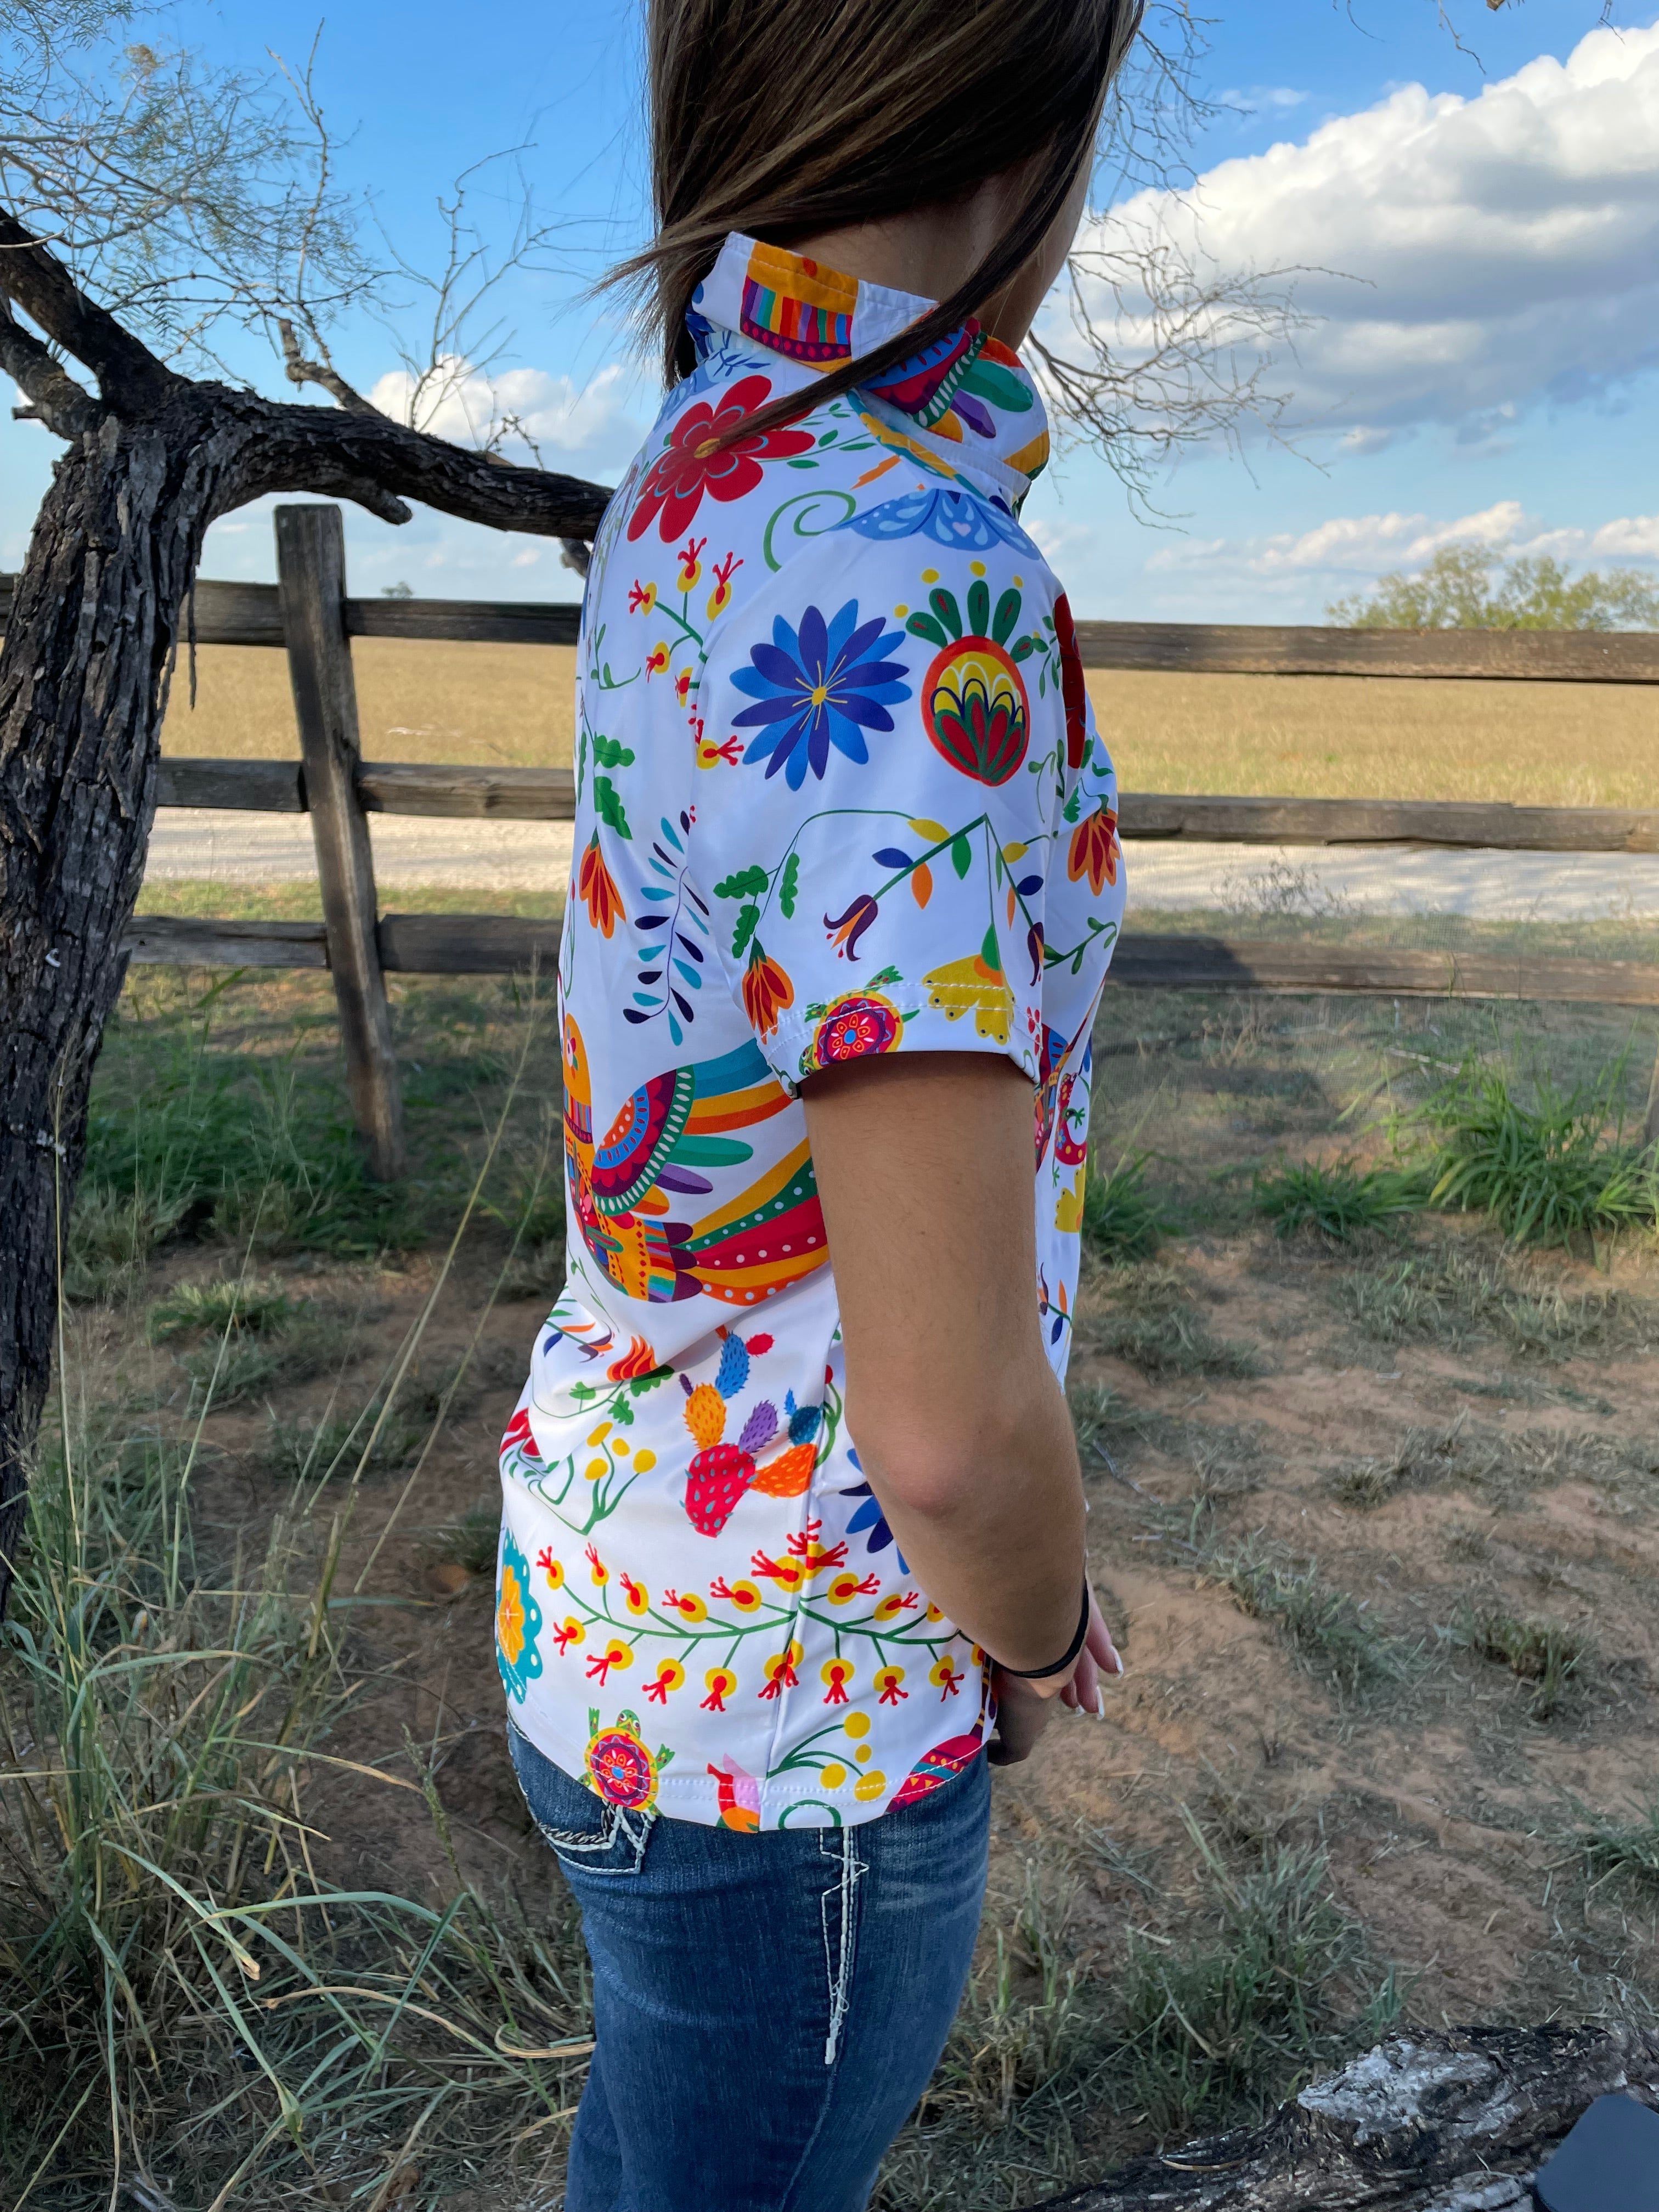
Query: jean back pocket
{"points": [[586, 1834]]}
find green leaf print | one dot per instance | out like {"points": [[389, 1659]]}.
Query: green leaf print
{"points": [[745, 929], [961, 854], [789, 886], [608, 800], [610, 752], [748, 883]]}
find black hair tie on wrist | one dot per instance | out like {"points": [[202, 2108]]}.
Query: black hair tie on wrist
{"points": [[1041, 1674]]}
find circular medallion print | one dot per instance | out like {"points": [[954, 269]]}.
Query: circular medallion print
{"points": [[975, 705], [856, 1027], [622, 1768]]}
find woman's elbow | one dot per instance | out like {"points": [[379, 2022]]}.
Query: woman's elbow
{"points": [[936, 1468]]}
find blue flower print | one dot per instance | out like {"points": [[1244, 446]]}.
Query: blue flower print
{"points": [[870, 1516], [822, 685]]}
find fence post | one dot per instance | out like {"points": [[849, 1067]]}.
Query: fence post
{"points": [[311, 576]]}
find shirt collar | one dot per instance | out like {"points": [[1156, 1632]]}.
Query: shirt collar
{"points": [[966, 406]]}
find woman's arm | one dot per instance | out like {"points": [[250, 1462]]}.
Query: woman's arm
{"points": [[925, 1171]]}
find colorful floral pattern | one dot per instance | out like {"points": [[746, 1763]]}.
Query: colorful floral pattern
{"points": [[839, 796]]}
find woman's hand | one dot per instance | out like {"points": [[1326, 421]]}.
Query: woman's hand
{"points": [[1025, 1709]]}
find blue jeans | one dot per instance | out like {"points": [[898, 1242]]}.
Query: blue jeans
{"points": [[768, 2008]]}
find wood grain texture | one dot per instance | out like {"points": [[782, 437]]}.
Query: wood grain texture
{"points": [[1182, 962], [1424, 2123], [499, 945], [175, 941], [481, 622], [549, 794], [257, 786], [467, 945], [311, 569], [1494, 828], [250, 614], [514, 795], [1253, 649]]}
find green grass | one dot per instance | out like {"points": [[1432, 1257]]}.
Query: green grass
{"points": [[1550, 1171], [256, 1309], [1332, 1635], [1623, 1847], [1456, 1297], [1340, 1200], [471, 1540], [1242, 2012], [180, 1996], [1121, 1218], [1546, 1654]]}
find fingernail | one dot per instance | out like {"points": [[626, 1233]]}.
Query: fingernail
{"points": [[1100, 1703]]}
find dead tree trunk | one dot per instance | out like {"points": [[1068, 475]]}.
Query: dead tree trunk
{"points": [[84, 669], [1426, 2123]]}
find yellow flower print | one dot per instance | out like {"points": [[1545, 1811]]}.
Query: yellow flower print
{"points": [[972, 986], [636, 1596], [641, 597], [598, 1569], [669, 1677], [1068, 1210], [510, 1618], [552, 1568], [688, 1606], [720, 1682], [656, 661]]}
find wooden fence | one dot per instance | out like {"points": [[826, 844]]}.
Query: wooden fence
{"points": [[309, 613]]}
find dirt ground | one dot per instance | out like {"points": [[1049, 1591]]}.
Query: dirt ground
{"points": [[1374, 1523]]}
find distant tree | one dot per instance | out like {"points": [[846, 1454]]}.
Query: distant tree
{"points": [[1455, 590]]}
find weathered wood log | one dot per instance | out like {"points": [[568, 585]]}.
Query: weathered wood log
{"points": [[1481, 655], [498, 944], [514, 795], [311, 568], [248, 614], [1428, 2123], [1182, 962]]}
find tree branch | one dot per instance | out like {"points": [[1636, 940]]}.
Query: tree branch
{"points": [[379, 463], [130, 377], [58, 400], [300, 369]]}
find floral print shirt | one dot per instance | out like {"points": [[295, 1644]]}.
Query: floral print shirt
{"points": [[838, 792]]}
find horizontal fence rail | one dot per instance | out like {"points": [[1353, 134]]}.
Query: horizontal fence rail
{"points": [[251, 614], [495, 944], [309, 614], [549, 794]]}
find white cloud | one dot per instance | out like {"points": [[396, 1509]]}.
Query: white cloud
{"points": [[1363, 545], [1493, 252], [578, 427]]}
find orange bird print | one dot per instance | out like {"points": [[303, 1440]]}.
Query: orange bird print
{"points": [[659, 1152]]}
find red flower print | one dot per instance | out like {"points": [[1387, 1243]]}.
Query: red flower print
{"points": [[722, 1682], [1094, 849], [615, 1654], [767, 990], [887, 1680], [696, 462], [518, 1436], [639, 1359], [597, 889], [1073, 690]]}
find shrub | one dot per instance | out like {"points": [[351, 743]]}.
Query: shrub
{"points": [[1339, 1200], [1547, 1172], [1120, 1216]]}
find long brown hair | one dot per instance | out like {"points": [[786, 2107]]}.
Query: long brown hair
{"points": [[782, 118]]}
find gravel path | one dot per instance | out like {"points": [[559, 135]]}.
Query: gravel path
{"points": [[254, 848]]}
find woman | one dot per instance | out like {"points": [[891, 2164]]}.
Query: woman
{"points": [[788, 1554]]}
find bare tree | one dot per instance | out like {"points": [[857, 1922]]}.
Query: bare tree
{"points": [[190, 201]]}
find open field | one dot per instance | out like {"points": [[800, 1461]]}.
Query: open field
{"points": [[1565, 744], [1375, 1519]]}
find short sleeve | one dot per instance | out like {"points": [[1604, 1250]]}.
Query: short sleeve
{"points": [[886, 762]]}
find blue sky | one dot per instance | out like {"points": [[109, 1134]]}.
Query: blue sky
{"points": [[1481, 364]]}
